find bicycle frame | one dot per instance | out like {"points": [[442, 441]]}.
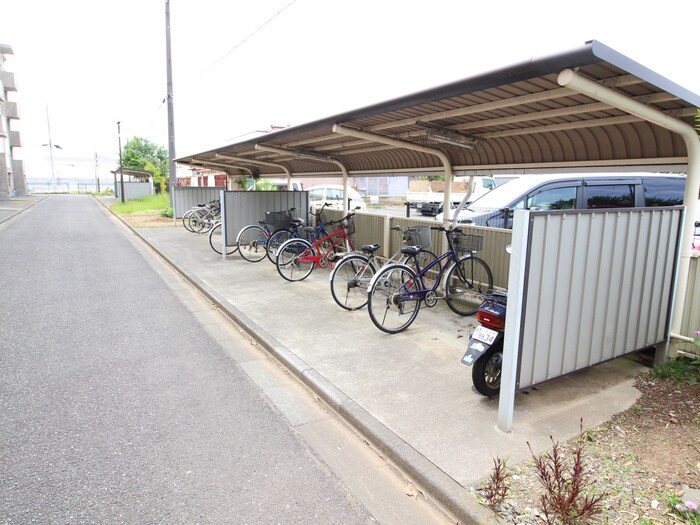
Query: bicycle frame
{"points": [[450, 257], [317, 247]]}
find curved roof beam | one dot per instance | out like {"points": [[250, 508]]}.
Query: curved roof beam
{"points": [[220, 165], [314, 156], [568, 78], [397, 143], [253, 161]]}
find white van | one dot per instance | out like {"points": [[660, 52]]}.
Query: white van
{"points": [[572, 191], [332, 194]]}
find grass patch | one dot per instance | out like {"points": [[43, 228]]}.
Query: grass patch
{"points": [[153, 203], [678, 370]]}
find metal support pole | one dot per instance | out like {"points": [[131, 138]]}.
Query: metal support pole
{"points": [[121, 167], [172, 175]]}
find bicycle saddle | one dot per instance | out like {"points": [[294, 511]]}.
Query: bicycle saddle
{"points": [[370, 248], [411, 250]]}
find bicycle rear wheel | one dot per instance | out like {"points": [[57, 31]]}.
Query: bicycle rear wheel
{"points": [[198, 221], [293, 262], [277, 239], [466, 284], [215, 240], [252, 243], [350, 280], [389, 306]]}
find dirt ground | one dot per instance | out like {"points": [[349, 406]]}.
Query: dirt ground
{"points": [[148, 220], [639, 459]]}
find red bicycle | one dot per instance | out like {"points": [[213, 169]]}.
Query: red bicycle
{"points": [[297, 258]]}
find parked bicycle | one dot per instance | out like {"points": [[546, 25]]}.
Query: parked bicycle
{"points": [[215, 240], [297, 258], [296, 230], [351, 276], [202, 217], [252, 239], [397, 291]]}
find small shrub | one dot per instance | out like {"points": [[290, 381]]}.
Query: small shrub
{"points": [[496, 488], [167, 212], [567, 499], [685, 509]]}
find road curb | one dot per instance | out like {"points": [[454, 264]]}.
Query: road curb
{"points": [[434, 482], [19, 211]]}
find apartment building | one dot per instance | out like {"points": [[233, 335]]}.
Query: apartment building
{"points": [[12, 177]]}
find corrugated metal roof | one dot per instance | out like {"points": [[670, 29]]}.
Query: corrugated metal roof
{"points": [[517, 117]]}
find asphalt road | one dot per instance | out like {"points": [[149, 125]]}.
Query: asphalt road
{"points": [[118, 406]]}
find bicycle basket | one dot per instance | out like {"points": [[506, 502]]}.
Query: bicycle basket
{"points": [[465, 243], [349, 226], [278, 219], [419, 236]]}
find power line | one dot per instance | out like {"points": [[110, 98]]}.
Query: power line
{"points": [[239, 44]]}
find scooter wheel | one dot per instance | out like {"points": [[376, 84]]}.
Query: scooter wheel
{"points": [[486, 371]]}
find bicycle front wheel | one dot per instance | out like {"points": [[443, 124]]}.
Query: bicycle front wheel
{"points": [[252, 243], [277, 239], [393, 302], [186, 220], [215, 240], [466, 284], [197, 221], [293, 260], [350, 281]]}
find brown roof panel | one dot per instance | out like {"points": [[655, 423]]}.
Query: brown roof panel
{"points": [[518, 117]]}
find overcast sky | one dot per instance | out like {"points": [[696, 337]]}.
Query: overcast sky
{"points": [[244, 65]]}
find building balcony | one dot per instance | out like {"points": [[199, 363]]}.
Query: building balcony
{"points": [[15, 139], [7, 79], [9, 110]]}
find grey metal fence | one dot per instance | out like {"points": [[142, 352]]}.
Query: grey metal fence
{"points": [[586, 287], [240, 208], [371, 228], [134, 190], [185, 197]]}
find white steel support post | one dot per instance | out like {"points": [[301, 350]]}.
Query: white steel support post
{"points": [[576, 82], [514, 314], [374, 137]]}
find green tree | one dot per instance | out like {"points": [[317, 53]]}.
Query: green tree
{"points": [[142, 154]]}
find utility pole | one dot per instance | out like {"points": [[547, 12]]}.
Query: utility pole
{"points": [[121, 166], [171, 120], [48, 124]]}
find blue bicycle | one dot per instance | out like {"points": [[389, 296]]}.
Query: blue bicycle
{"points": [[295, 229], [396, 292]]}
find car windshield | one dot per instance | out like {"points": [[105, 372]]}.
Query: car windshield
{"points": [[502, 196]]}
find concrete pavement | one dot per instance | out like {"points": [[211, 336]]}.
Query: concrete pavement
{"points": [[406, 393]]}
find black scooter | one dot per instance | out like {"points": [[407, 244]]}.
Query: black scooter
{"points": [[485, 350]]}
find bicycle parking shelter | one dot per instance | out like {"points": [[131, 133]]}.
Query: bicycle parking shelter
{"points": [[589, 109]]}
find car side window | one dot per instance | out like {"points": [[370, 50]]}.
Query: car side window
{"points": [[609, 196], [488, 184], [663, 192], [563, 198], [334, 194], [316, 195]]}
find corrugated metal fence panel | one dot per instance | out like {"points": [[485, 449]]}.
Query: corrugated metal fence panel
{"points": [[371, 228], [135, 190], [186, 197], [598, 286], [249, 207], [691, 310]]}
